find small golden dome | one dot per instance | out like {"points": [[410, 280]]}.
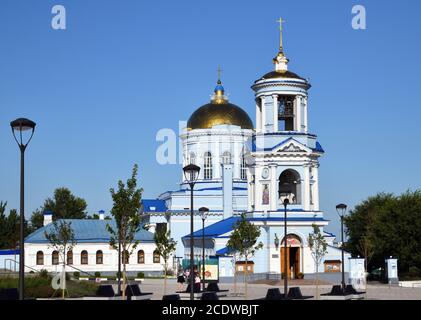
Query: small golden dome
{"points": [[219, 112]]}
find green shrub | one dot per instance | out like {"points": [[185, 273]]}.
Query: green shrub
{"points": [[140, 275], [43, 273], [76, 274], [414, 271], [300, 275], [97, 274], [119, 273]]}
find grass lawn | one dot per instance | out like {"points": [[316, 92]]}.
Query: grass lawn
{"points": [[40, 287]]}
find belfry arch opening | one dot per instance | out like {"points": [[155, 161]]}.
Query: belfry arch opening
{"points": [[286, 113], [290, 187]]}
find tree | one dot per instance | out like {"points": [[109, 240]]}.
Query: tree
{"points": [[318, 247], [62, 239], [10, 228], [165, 247], [126, 205], [243, 239], [387, 225], [63, 204]]}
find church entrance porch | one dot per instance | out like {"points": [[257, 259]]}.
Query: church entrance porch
{"points": [[293, 254]]}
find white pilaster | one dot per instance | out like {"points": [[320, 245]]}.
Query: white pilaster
{"points": [[258, 117], [306, 188], [316, 188], [275, 113], [273, 188], [263, 114], [298, 113], [305, 115]]}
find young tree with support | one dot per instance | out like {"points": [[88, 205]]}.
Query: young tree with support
{"points": [[318, 248], [165, 247], [243, 240], [126, 205], [62, 239]]}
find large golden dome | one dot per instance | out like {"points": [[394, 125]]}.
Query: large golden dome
{"points": [[218, 112]]}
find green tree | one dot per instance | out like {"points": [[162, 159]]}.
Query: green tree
{"points": [[62, 239], [318, 248], [165, 246], [390, 225], [64, 205], [10, 228], [126, 205], [37, 220], [243, 240]]}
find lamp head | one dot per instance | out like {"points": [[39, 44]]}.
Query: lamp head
{"points": [[341, 209], [204, 212], [286, 202], [21, 125], [191, 173]]}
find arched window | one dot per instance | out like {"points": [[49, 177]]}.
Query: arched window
{"points": [[54, 258], [243, 173], [140, 257], [156, 257], [69, 257], [125, 257], [40, 258], [290, 187], [207, 166], [84, 257], [192, 159], [99, 257], [226, 157]]}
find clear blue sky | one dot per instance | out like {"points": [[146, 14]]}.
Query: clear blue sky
{"points": [[100, 90]]}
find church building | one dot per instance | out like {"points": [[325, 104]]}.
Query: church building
{"points": [[252, 170]]}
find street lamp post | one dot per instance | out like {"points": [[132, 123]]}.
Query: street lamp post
{"points": [[20, 125], [191, 173], [203, 213], [286, 202], [341, 209]]}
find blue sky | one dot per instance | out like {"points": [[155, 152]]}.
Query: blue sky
{"points": [[100, 90]]}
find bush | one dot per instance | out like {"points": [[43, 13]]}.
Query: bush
{"points": [[300, 275], [76, 274], [43, 273], [140, 275], [414, 271], [119, 274], [97, 274]]}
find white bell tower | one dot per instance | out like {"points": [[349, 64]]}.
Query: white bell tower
{"points": [[284, 154]]}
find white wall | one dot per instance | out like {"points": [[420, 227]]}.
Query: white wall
{"points": [[110, 258]]}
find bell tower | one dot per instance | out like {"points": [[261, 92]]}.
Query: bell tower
{"points": [[284, 154]]}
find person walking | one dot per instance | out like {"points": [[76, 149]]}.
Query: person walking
{"points": [[181, 280]]}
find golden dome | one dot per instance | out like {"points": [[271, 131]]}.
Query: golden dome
{"points": [[219, 112], [280, 74]]}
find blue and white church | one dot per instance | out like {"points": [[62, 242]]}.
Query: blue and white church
{"points": [[252, 170]]}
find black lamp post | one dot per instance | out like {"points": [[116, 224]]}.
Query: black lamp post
{"points": [[204, 214], [286, 203], [191, 173], [341, 209], [20, 125]]}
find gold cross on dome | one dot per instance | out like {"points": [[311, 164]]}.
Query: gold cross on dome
{"points": [[281, 21]]}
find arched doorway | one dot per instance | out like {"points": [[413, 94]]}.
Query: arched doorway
{"points": [[293, 256], [290, 186]]}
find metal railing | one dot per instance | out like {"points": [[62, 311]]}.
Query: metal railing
{"points": [[16, 262]]}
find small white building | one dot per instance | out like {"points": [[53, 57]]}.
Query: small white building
{"points": [[92, 252]]}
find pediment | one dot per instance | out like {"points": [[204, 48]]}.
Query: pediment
{"points": [[291, 146]]}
